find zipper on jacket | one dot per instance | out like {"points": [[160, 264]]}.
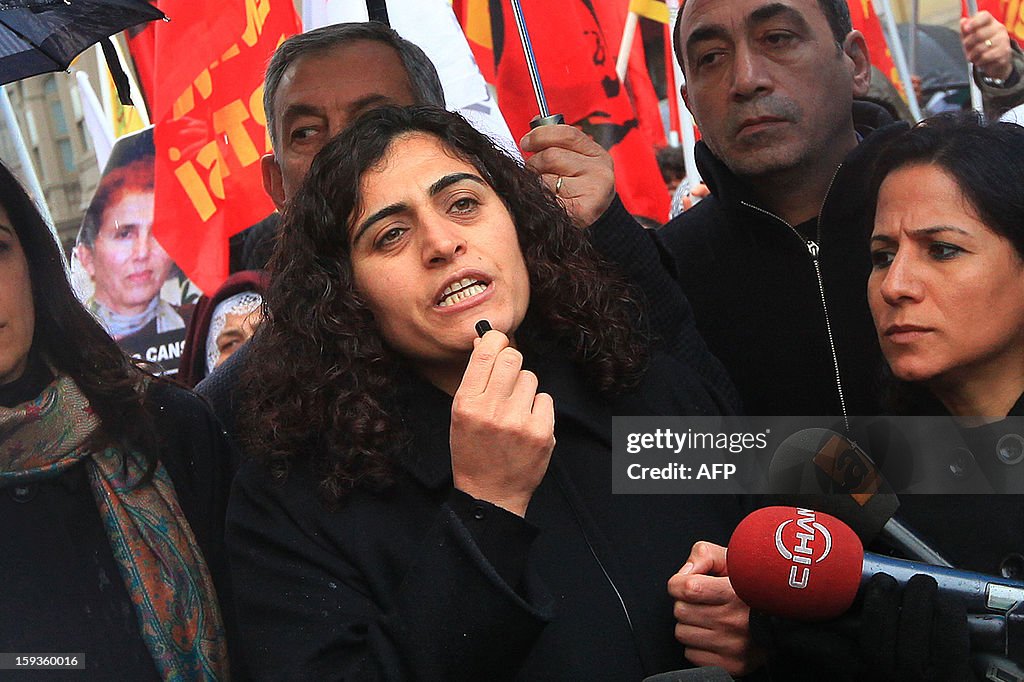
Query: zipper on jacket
{"points": [[813, 249]]}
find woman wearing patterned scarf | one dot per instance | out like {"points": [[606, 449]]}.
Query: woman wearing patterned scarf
{"points": [[112, 484]]}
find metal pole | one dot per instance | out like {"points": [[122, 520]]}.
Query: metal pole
{"points": [[685, 118], [892, 37], [977, 103], [915, 16], [25, 160], [545, 117]]}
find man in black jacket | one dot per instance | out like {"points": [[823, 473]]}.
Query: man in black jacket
{"points": [[775, 262]]}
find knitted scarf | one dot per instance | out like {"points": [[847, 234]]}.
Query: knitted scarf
{"points": [[157, 554]]}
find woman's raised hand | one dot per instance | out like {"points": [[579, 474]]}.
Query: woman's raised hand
{"points": [[503, 430]]}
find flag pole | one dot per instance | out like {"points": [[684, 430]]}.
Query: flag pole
{"points": [[626, 46], [915, 19], [95, 120], [685, 118], [892, 37], [671, 89], [977, 103]]}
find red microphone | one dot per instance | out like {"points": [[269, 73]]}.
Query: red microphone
{"points": [[806, 565], [795, 563]]}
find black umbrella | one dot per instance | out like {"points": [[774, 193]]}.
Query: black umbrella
{"points": [[941, 63], [38, 36]]}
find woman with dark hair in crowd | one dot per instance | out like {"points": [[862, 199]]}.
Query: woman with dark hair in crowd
{"points": [[408, 514], [947, 295], [947, 285], [113, 484]]}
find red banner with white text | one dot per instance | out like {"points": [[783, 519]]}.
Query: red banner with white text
{"points": [[210, 127]]}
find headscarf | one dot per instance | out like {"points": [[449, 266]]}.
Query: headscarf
{"points": [[155, 549], [245, 303], [192, 368]]}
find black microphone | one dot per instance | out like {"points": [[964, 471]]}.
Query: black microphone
{"points": [[837, 477], [703, 674]]}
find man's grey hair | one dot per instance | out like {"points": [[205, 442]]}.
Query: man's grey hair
{"points": [[426, 86]]}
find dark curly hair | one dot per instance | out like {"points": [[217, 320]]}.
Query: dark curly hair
{"points": [[70, 340], [320, 381]]}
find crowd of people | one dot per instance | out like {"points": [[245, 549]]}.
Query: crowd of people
{"points": [[396, 460]]}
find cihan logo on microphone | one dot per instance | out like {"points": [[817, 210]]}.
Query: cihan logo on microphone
{"points": [[803, 542]]}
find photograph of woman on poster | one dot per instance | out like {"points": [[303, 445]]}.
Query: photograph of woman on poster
{"points": [[117, 249], [123, 275]]}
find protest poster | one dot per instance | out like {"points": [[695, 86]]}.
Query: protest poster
{"points": [[121, 273]]}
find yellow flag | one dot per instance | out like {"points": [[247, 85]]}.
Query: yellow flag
{"points": [[478, 23], [125, 119], [652, 9]]}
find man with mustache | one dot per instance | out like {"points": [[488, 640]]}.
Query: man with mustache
{"points": [[316, 84], [772, 263]]}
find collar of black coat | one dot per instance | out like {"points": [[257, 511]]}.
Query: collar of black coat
{"points": [[872, 123], [426, 410]]}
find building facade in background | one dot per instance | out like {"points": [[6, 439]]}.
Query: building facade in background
{"points": [[49, 112]]}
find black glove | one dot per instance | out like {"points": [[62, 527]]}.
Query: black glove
{"points": [[799, 651], [914, 633], [910, 634]]}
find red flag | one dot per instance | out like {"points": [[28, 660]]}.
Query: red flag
{"points": [[576, 53], [612, 14], [866, 21], [210, 128], [142, 48]]}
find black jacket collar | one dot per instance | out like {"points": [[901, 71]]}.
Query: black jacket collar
{"points": [[427, 416], [872, 123], [426, 411]]}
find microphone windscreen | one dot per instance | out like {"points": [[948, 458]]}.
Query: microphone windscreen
{"points": [[795, 563], [815, 461]]}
